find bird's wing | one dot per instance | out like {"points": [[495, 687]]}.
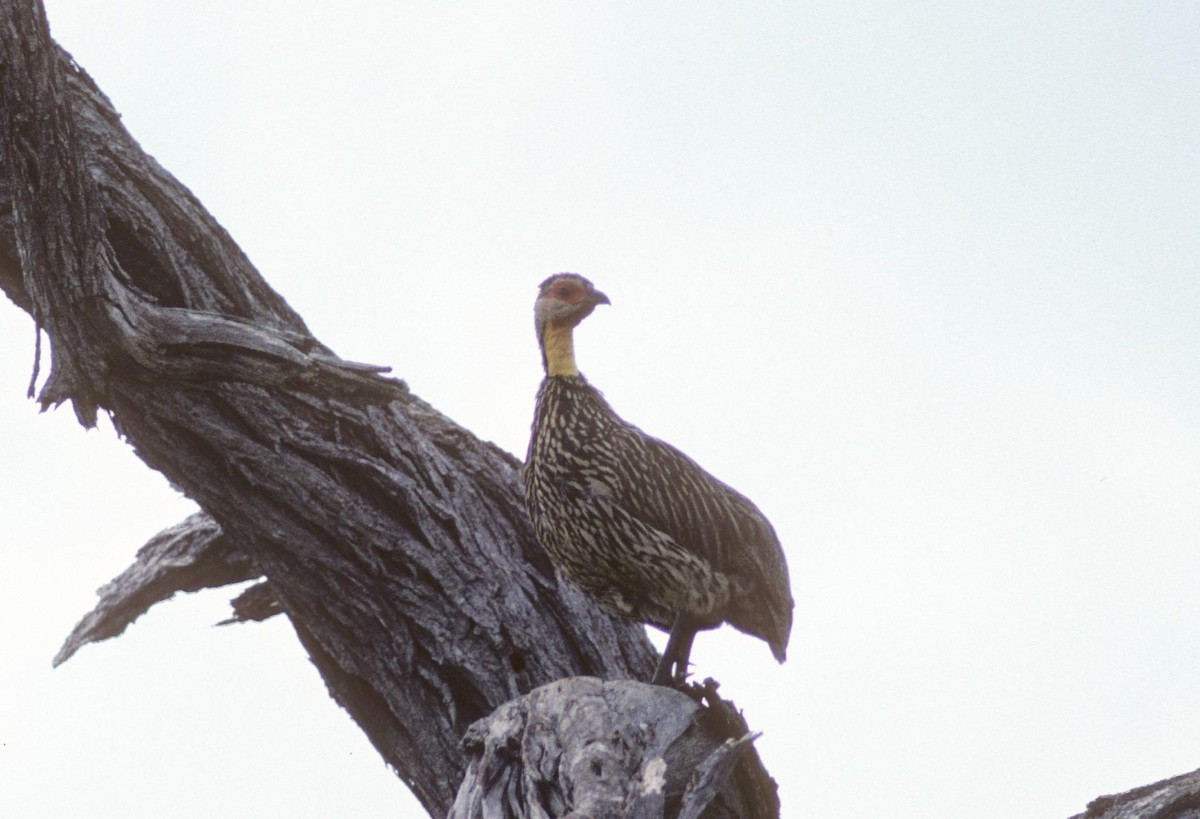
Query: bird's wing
{"points": [[674, 494], [712, 520], [665, 490]]}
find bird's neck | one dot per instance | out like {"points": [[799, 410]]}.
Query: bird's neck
{"points": [[558, 349]]}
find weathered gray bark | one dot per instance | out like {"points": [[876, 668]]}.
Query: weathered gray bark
{"points": [[1174, 798], [606, 750], [393, 539]]}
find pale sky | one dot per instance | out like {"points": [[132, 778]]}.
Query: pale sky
{"points": [[924, 282]]}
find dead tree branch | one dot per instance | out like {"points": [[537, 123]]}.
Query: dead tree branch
{"points": [[393, 539], [1174, 798]]}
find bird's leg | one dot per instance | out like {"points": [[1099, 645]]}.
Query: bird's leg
{"points": [[672, 668]]}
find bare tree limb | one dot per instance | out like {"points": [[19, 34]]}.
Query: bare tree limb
{"points": [[1174, 798], [189, 556], [394, 540]]}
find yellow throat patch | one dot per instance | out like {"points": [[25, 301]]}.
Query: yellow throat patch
{"points": [[559, 347]]}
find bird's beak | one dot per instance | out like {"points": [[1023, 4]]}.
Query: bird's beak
{"points": [[599, 298]]}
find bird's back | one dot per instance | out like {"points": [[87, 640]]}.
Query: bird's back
{"points": [[643, 528]]}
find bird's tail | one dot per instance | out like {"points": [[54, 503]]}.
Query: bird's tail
{"points": [[767, 619]]}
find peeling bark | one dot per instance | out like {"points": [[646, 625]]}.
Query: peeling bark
{"points": [[393, 539]]}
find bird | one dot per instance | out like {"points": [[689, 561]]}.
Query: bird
{"points": [[636, 524]]}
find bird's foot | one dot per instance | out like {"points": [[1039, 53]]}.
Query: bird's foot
{"points": [[673, 667], [671, 674]]}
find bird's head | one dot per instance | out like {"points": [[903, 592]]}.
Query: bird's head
{"points": [[564, 300]]}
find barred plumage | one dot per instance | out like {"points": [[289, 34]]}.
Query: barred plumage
{"points": [[634, 522]]}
